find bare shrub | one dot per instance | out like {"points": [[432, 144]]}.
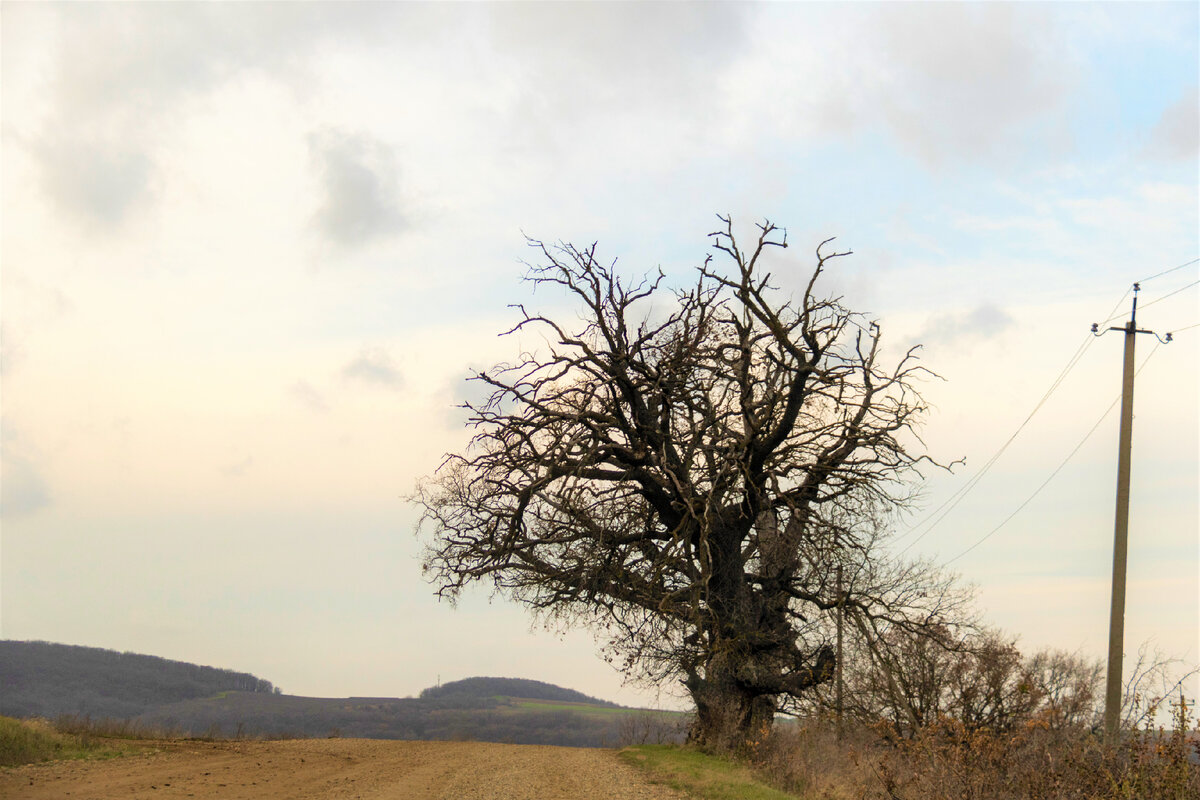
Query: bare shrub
{"points": [[651, 727], [84, 726], [1154, 683], [948, 760]]}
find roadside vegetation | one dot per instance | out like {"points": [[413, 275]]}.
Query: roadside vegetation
{"points": [[983, 723], [700, 774], [33, 741], [945, 760]]}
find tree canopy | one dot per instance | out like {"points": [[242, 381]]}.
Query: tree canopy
{"points": [[687, 467]]}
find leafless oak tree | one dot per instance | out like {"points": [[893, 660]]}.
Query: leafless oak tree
{"points": [[684, 468]]}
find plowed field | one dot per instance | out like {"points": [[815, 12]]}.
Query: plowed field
{"points": [[337, 769]]}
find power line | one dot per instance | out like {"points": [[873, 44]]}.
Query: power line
{"points": [[1058, 469], [1188, 328], [1171, 294], [1168, 271], [949, 505], [935, 518], [1113, 315]]}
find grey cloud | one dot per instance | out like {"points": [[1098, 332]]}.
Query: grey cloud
{"points": [[139, 58], [1177, 133], [11, 352], [962, 79], [23, 490], [309, 396], [982, 322], [29, 307], [623, 51], [122, 70], [238, 468], [467, 389], [586, 67], [95, 183], [360, 191], [374, 366]]}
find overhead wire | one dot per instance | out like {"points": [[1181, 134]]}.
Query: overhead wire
{"points": [[1170, 294], [933, 519], [937, 515], [1058, 469], [1169, 271], [1111, 317], [949, 505]]}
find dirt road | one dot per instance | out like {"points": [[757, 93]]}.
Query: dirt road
{"points": [[338, 769]]}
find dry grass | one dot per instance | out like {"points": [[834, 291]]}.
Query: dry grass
{"points": [[946, 761], [28, 741], [85, 727]]}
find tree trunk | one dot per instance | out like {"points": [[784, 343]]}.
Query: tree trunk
{"points": [[729, 715]]}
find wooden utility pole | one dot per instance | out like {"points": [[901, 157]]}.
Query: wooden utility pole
{"points": [[840, 613], [1116, 618]]}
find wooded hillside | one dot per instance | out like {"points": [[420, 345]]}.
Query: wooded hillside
{"points": [[41, 679], [510, 687], [173, 698]]}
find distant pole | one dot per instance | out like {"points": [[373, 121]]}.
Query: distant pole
{"points": [[1116, 618], [839, 652]]}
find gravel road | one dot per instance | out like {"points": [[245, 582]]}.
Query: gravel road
{"points": [[338, 769]]}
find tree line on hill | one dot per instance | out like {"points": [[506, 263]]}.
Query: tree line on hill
{"points": [[510, 687], [453, 717], [46, 679], [156, 696]]}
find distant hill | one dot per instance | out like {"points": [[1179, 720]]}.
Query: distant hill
{"points": [[510, 687], [41, 679], [180, 699]]}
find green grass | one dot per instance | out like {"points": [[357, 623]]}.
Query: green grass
{"points": [[699, 774], [588, 709], [30, 741], [554, 705]]}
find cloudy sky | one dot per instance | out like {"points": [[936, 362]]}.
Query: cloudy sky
{"points": [[251, 251]]}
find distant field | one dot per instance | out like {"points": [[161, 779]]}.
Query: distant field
{"points": [[521, 703], [41, 679], [498, 718]]}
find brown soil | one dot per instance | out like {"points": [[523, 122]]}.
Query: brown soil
{"points": [[338, 769]]}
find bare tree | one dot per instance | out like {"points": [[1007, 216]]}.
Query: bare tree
{"points": [[976, 676], [1156, 679], [684, 468], [1069, 689]]}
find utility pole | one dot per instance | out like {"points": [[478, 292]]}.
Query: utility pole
{"points": [[1116, 618], [840, 614]]}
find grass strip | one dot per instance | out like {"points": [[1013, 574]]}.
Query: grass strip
{"points": [[31, 741], [699, 774]]}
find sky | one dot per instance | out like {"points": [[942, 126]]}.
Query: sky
{"points": [[250, 252]]}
